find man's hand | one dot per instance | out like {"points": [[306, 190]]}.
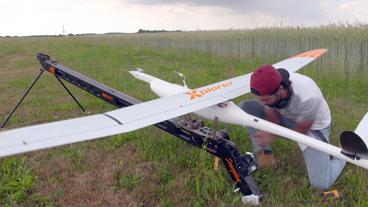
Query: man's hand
{"points": [[303, 126], [272, 115]]}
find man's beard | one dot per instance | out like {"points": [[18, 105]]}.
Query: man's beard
{"points": [[280, 103]]}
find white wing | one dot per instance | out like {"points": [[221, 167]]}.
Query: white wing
{"points": [[136, 116], [296, 62], [119, 121]]}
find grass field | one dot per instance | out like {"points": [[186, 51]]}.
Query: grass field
{"points": [[149, 167]]}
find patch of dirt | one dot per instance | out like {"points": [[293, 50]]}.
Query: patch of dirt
{"points": [[95, 186], [179, 183]]}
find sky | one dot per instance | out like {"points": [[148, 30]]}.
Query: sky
{"points": [[53, 17]]}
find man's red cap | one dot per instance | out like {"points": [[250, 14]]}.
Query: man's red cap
{"points": [[265, 80]]}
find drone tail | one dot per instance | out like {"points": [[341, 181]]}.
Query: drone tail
{"points": [[355, 143]]}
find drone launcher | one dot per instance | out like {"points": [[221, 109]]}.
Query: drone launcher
{"points": [[239, 166]]}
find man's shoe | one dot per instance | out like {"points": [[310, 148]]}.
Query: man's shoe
{"points": [[266, 160]]}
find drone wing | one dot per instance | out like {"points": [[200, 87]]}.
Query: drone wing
{"points": [[120, 121], [296, 62], [134, 117]]}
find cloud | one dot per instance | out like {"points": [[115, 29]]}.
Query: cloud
{"points": [[302, 12], [356, 9], [19, 17]]}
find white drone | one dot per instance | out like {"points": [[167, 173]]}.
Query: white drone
{"points": [[212, 102]]}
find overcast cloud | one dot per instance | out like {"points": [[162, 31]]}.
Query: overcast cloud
{"points": [[22, 17], [287, 9]]}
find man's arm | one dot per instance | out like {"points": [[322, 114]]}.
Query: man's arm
{"points": [[273, 116], [303, 124], [308, 112]]}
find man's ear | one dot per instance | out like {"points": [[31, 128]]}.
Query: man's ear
{"points": [[282, 89]]}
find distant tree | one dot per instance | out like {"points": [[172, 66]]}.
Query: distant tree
{"points": [[156, 31]]}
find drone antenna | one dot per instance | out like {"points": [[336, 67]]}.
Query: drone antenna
{"points": [[182, 76]]}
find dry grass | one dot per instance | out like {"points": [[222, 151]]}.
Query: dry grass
{"points": [[95, 186]]}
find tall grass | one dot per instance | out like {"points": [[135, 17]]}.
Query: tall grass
{"points": [[347, 44]]}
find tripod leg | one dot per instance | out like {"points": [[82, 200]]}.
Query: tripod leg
{"points": [[70, 94], [20, 101]]}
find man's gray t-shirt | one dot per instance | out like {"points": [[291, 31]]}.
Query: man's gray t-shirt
{"points": [[307, 103]]}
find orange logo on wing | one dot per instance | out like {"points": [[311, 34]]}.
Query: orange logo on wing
{"points": [[197, 94], [193, 94], [312, 53]]}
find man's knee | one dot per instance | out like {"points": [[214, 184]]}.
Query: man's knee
{"points": [[252, 107]]}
